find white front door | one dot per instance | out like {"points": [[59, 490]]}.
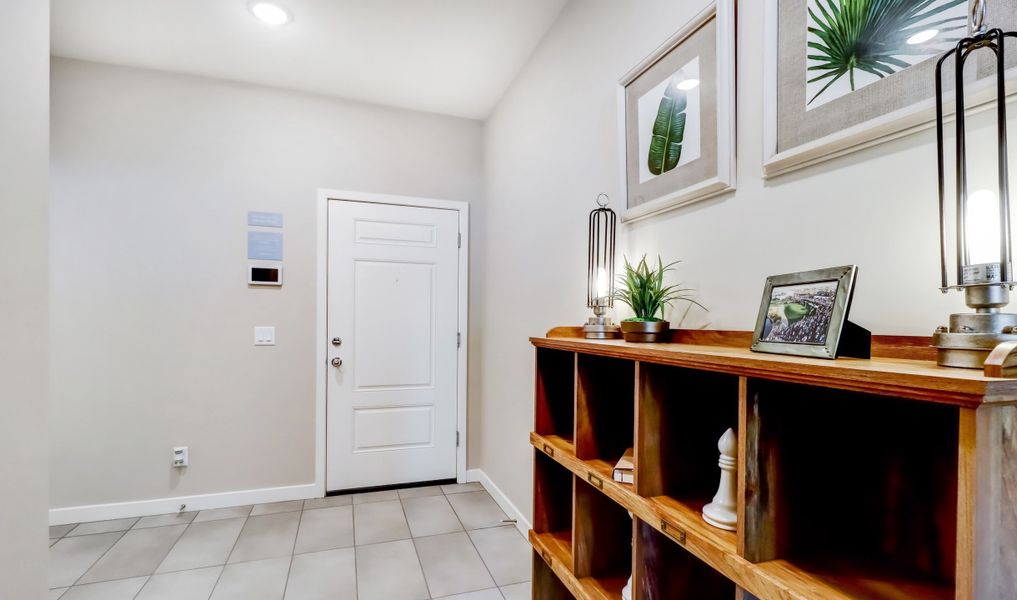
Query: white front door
{"points": [[393, 307]]}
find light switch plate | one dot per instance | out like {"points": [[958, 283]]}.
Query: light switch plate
{"points": [[180, 457], [264, 336]]}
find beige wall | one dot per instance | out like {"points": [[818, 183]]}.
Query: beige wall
{"points": [[24, 143], [552, 145], [152, 177]]}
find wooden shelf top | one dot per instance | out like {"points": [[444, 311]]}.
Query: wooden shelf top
{"points": [[886, 374]]}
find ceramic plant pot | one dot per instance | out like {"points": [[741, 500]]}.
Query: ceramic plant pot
{"points": [[646, 331]]}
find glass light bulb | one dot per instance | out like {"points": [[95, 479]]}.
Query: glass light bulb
{"points": [[270, 14], [603, 287], [923, 36], [981, 224]]}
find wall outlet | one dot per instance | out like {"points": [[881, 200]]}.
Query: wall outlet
{"points": [[180, 459], [264, 336]]}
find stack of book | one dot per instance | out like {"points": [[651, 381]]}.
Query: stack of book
{"points": [[625, 470]]}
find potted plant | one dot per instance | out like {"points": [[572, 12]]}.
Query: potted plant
{"points": [[643, 289]]}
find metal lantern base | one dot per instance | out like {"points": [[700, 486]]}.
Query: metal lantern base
{"points": [[969, 349], [600, 328], [971, 337]]}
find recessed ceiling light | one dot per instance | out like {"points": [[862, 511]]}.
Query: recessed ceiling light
{"points": [[687, 84], [271, 14], [923, 36]]}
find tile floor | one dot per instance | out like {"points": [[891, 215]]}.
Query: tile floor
{"points": [[412, 544]]}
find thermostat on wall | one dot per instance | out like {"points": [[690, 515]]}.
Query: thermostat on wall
{"points": [[258, 275]]}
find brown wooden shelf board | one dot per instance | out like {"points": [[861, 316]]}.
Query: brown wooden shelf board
{"points": [[609, 587], [652, 510], [690, 515], [560, 542], [683, 523], [556, 441], [905, 378], [883, 346], [557, 553], [873, 581]]}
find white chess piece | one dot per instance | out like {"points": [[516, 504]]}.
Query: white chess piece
{"points": [[627, 590], [721, 512]]}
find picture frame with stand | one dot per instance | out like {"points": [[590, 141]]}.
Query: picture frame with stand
{"points": [[805, 314]]}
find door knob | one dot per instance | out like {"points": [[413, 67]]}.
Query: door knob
{"points": [[337, 362]]}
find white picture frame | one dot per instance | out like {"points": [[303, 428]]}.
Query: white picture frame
{"points": [[724, 11], [905, 121]]}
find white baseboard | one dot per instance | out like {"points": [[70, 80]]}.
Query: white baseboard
{"points": [[162, 506], [522, 523]]}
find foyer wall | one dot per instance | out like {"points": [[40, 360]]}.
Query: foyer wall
{"points": [[24, 147], [552, 145], [152, 177]]}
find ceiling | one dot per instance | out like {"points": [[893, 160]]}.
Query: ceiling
{"points": [[454, 57]]}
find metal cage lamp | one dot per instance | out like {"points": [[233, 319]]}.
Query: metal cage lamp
{"points": [[600, 271], [984, 263]]}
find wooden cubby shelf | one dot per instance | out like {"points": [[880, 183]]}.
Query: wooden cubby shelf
{"points": [[681, 414], [882, 479], [884, 489], [666, 572], [604, 416], [552, 487], [556, 393], [547, 583], [601, 540]]}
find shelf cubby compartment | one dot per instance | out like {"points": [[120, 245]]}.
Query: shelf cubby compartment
{"points": [[552, 503], [857, 491], [602, 540], [665, 571], [555, 413], [681, 416], [547, 585], [605, 408]]}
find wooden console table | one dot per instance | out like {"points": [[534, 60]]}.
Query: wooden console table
{"points": [[881, 479]]}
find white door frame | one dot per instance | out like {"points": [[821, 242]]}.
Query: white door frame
{"points": [[321, 353]]}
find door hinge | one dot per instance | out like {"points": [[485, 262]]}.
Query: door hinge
{"points": [[457, 439], [459, 242], [459, 340]]}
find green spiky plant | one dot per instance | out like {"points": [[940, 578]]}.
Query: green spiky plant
{"points": [[871, 35], [642, 289]]}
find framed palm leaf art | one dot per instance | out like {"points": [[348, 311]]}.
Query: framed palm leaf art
{"points": [[842, 75], [677, 117]]}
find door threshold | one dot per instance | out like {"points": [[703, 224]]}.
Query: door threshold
{"points": [[397, 486]]}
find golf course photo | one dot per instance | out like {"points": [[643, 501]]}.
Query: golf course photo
{"points": [[800, 314]]}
